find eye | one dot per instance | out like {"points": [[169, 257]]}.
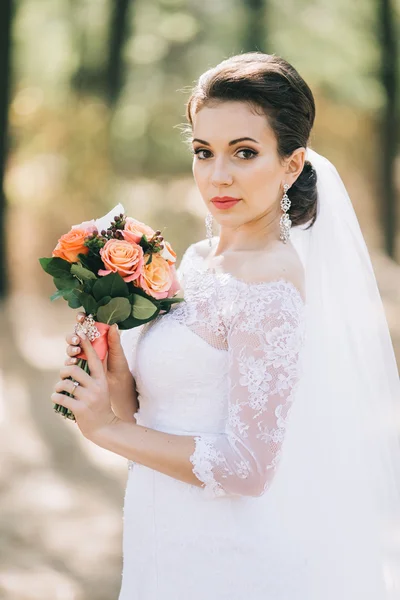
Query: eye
{"points": [[197, 152], [248, 152]]}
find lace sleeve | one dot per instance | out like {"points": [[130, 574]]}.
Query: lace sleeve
{"points": [[264, 342]]}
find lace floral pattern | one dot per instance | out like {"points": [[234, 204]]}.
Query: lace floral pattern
{"points": [[261, 326]]}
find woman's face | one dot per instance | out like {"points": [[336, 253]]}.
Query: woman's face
{"points": [[235, 156]]}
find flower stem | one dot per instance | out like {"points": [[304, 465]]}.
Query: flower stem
{"points": [[66, 412]]}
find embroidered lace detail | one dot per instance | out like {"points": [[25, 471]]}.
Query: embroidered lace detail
{"points": [[203, 459], [261, 326]]}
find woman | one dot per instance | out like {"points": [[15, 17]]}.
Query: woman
{"points": [[257, 468]]}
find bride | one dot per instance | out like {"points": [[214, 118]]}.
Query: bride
{"points": [[258, 417]]}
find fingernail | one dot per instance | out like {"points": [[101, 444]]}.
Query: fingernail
{"points": [[116, 326], [76, 349], [74, 360], [75, 340]]}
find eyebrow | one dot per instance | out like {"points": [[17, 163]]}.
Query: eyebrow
{"points": [[231, 143]]}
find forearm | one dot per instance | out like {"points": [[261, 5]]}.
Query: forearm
{"points": [[163, 452], [124, 401]]}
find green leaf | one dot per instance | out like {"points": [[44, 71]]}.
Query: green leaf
{"points": [[82, 273], [91, 261], [111, 285], [88, 302], [66, 283], [104, 301], [56, 295], [142, 308], [118, 309], [72, 299], [55, 266]]}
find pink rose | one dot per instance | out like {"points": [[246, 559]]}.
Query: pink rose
{"points": [[134, 230], [125, 258]]}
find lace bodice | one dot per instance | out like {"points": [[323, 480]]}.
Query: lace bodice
{"points": [[254, 332]]}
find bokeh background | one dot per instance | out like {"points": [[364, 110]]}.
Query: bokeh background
{"points": [[92, 99]]}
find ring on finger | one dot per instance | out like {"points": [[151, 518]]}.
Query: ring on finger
{"points": [[75, 384]]}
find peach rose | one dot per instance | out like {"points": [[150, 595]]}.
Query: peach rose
{"points": [[158, 278], [168, 253], [134, 230], [176, 286], [125, 258], [71, 244]]}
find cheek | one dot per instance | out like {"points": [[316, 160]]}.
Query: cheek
{"points": [[199, 174]]}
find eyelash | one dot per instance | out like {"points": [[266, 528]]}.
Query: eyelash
{"points": [[253, 152]]}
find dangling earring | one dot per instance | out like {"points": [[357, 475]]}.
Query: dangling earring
{"points": [[209, 223], [285, 222]]}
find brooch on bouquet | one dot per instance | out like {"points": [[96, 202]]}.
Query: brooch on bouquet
{"points": [[119, 270]]}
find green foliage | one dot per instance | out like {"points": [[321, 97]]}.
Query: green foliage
{"points": [[56, 267], [142, 308], [83, 273], [110, 285], [118, 309]]}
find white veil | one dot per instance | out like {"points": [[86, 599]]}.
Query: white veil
{"points": [[341, 500]]}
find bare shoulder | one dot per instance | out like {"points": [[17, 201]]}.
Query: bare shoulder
{"points": [[280, 261], [283, 262]]}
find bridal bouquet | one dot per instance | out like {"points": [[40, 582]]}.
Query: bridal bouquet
{"points": [[119, 270]]}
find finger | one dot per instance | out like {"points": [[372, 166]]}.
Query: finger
{"points": [[74, 405], [73, 350], [76, 373], [71, 361], [80, 317], [67, 385], [94, 362], [72, 338]]}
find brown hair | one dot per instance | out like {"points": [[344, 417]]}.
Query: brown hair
{"points": [[270, 84]]}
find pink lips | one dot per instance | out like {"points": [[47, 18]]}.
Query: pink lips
{"points": [[224, 202]]}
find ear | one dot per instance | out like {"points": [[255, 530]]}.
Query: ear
{"points": [[294, 165]]}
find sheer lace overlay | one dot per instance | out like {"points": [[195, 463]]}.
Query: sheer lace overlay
{"points": [[261, 327]]}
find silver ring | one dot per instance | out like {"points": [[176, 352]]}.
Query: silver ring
{"points": [[75, 384]]}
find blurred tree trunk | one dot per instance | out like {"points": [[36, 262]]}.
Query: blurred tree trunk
{"points": [[255, 35], [390, 122], [6, 10], [119, 29]]}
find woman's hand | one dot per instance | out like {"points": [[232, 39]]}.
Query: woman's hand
{"points": [[91, 403], [121, 383]]}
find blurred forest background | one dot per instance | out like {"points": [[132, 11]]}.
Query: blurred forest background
{"points": [[92, 96]]}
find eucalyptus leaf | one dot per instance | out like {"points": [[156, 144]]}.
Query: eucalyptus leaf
{"points": [[65, 283], [110, 285], [72, 299], [55, 266], [118, 309], [104, 301], [142, 308], [82, 273], [88, 302], [56, 295]]}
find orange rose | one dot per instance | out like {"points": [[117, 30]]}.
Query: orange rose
{"points": [[157, 278], [71, 244], [122, 257], [134, 230]]}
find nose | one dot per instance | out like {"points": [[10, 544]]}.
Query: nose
{"points": [[220, 174]]}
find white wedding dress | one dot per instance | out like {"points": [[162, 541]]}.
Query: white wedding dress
{"points": [[222, 366]]}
